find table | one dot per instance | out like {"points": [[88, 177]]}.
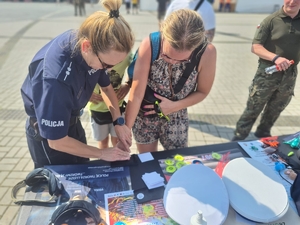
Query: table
{"points": [[291, 218]]}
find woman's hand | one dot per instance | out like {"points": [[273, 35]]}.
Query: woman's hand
{"points": [[123, 91], [114, 154], [166, 106], [124, 136], [291, 174], [96, 98], [121, 146]]}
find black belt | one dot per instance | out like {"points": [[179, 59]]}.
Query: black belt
{"points": [[33, 123]]}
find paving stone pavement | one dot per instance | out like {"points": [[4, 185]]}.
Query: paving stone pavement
{"points": [[25, 27]]}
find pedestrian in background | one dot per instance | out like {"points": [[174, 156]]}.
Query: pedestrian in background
{"points": [[161, 10], [181, 76], [227, 7], [92, 3], [61, 79], [82, 7], [127, 3], [134, 4], [79, 5], [221, 5], [276, 41], [204, 9]]}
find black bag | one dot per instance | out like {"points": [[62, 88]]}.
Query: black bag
{"points": [[75, 213], [34, 179], [102, 118], [149, 99]]}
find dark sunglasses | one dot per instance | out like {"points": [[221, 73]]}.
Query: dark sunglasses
{"points": [[104, 65], [180, 61]]}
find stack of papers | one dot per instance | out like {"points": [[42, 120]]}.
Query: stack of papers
{"points": [[153, 180], [145, 157]]}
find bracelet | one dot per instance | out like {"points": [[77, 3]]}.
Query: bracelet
{"points": [[275, 58]]}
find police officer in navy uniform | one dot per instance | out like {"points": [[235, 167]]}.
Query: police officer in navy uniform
{"points": [[61, 79], [277, 41]]}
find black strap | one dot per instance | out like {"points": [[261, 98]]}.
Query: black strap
{"points": [[198, 5], [194, 62], [22, 184], [197, 53], [37, 178], [155, 39], [75, 212]]}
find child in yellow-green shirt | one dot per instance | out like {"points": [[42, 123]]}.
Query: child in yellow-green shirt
{"points": [[100, 117]]}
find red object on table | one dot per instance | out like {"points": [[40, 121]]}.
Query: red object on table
{"points": [[271, 141], [222, 163]]}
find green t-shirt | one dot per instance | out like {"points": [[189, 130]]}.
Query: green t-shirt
{"points": [[116, 77]]}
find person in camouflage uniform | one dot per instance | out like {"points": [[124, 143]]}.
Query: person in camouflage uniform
{"points": [[276, 42]]}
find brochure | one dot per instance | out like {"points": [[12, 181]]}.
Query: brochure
{"points": [[122, 207]]}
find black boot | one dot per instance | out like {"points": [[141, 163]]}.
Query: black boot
{"points": [[262, 134], [238, 137]]}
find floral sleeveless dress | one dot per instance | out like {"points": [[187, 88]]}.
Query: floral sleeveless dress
{"points": [[174, 133]]}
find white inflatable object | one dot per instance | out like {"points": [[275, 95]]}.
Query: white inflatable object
{"points": [[255, 190], [196, 187]]}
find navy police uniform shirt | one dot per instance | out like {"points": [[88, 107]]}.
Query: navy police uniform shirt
{"points": [[58, 85]]}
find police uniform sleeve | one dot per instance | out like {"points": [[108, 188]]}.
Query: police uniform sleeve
{"points": [[104, 80], [53, 102]]}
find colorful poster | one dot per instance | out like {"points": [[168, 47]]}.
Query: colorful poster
{"points": [[122, 208], [91, 182]]}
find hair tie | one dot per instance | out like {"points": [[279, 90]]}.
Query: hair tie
{"points": [[114, 13]]}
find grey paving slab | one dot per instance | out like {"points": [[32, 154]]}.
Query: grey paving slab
{"points": [[25, 27]]}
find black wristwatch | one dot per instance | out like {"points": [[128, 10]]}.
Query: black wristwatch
{"points": [[119, 121]]}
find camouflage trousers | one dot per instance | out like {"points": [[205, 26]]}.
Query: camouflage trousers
{"points": [[269, 93]]}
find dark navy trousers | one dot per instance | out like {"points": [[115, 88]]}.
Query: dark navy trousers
{"points": [[42, 154]]}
